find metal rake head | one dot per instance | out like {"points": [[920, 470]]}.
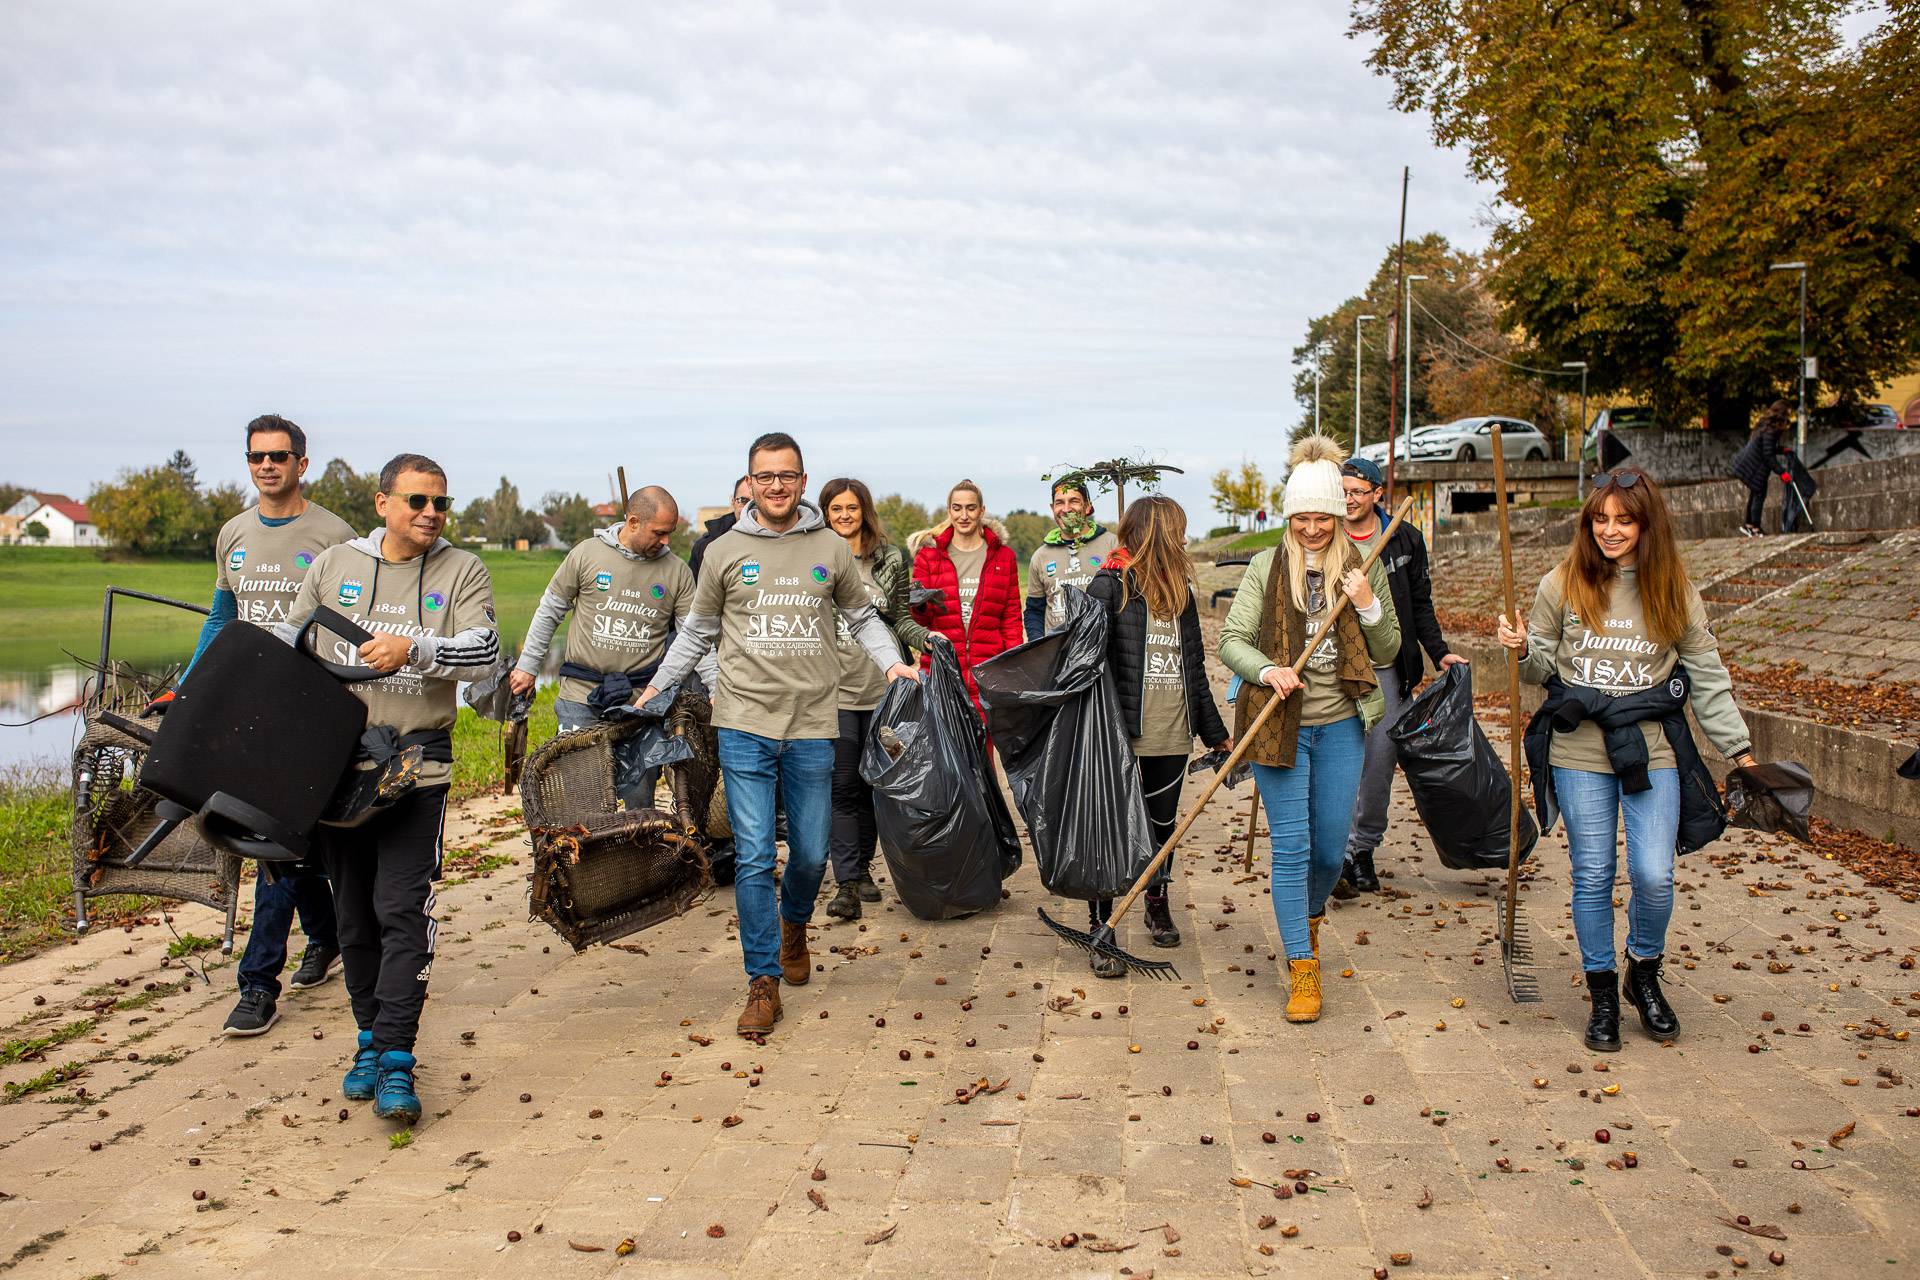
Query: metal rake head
{"points": [[1102, 943], [1516, 954]]}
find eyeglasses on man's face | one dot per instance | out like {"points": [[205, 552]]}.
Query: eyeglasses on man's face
{"points": [[768, 479]]}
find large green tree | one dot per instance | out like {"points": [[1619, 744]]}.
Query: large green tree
{"points": [[348, 494], [1651, 162], [571, 514], [155, 511]]}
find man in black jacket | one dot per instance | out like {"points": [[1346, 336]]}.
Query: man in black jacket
{"points": [[1405, 560], [719, 525]]}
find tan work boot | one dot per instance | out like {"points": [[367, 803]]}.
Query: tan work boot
{"points": [[763, 1007], [1313, 933], [1304, 1004], [796, 965]]}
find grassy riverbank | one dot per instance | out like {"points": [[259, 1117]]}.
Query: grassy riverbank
{"points": [[53, 597], [36, 885]]}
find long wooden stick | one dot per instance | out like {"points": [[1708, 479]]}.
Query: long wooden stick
{"points": [[1514, 730], [1240, 748], [1253, 820], [624, 499]]}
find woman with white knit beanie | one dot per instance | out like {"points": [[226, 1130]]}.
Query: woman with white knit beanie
{"points": [[1307, 758]]}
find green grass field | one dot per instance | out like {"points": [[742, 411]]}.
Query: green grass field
{"points": [[51, 600]]}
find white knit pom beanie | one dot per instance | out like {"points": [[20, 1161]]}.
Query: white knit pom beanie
{"points": [[1313, 482]]}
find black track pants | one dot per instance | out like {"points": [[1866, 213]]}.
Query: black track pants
{"points": [[383, 873]]}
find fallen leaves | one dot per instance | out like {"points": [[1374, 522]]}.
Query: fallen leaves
{"points": [[884, 1234], [819, 1201], [1840, 1135], [1755, 1229]]}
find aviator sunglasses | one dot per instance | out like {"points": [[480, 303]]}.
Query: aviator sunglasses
{"points": [[278, 456], [418, 501]]}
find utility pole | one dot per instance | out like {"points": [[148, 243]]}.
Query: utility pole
{"points": [[1357, 322], [1406, 388], [1801, 444], [1319, 363], [1399, 277], [1580, 454]]}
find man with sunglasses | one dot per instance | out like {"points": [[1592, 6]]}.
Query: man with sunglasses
{"points": [[429, 607], [1405, 560], [261, 556], [771, 595]]}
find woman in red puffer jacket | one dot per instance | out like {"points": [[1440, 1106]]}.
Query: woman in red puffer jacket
{"points": [[978, 578]]}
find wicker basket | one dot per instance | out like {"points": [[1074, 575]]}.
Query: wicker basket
{"points": [[112, 815], [601, 872]]}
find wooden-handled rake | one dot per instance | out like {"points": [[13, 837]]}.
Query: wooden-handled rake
{"points": [[1101, 940], [1516, 944]]}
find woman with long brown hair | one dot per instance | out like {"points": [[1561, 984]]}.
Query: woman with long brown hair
{"points": [[1159, 666], [1620, 638], [848, 505]]}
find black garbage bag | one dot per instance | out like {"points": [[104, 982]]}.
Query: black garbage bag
{"points": [[1910, 767], [1459, 784], [1055, 717], [1772, 797], [944, 829]]}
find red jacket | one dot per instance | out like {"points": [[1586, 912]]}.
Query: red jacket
{"points": [[996, 625]]}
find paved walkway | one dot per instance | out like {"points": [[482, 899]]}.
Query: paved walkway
{"points": [[580, 1101]]}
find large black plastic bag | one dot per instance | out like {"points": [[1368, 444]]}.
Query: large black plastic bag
{"points": [[1055, 717], [1772, 797], [1459, 785], [945, 830]]}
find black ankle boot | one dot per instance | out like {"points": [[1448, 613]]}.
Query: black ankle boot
{"points": [[1360, 873], [1344, 888], [1603, 1025], [1160, 918], [1103, 965], [1643, 988]]}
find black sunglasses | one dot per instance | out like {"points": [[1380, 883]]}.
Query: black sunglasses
{"points": [[418, 501], [1621, 479], [280, 456]]}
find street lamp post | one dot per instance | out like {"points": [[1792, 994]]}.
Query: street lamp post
{"points": [[1406, 386], [1357, 322], [1319, 364], [1580, 455], [1801, 443]]}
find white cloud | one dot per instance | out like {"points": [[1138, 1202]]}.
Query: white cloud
{"points": [[544, 238]]}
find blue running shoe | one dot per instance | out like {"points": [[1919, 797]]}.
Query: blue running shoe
{"points": [[396, 1099], [363, 1079]]}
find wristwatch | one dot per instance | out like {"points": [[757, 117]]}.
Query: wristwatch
{"points": [[413, 652]]}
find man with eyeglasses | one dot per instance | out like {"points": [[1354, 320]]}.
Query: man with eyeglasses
{"points": [[630, 591], [770, 596], [1405, 560], [742, 494], [261, 556], [429, 606]]}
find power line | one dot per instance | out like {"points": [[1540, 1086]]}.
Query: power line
{"points": [[1545, 373]]}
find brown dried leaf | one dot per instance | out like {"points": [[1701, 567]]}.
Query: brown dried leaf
{"points": [[1426, 1199], [1106, 1246], [1757, 1229], [577, 1247], [1172, 1236], [819, 1201], [1840, 1135], [884, 1234]]}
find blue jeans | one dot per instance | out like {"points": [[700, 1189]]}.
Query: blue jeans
{"points": [[800, 773], [1309, 810], [634, 785], [1592, 804], [275, 902]]}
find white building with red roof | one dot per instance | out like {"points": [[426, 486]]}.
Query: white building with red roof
{"points": [[68, 523]]}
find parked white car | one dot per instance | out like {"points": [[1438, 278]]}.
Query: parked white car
{"points": [[1471, 440], [1377, 453]]}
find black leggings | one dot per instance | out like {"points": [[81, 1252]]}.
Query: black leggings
{"points": [[854, 833], [1161, 778], [1756, 504]]}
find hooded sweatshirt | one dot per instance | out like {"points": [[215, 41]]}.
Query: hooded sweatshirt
{"points": [[1059, 562], [627, 603], [768, 600], [442, 601]]}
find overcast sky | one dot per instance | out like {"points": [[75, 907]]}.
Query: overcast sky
{"points": [[931, 240]]}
